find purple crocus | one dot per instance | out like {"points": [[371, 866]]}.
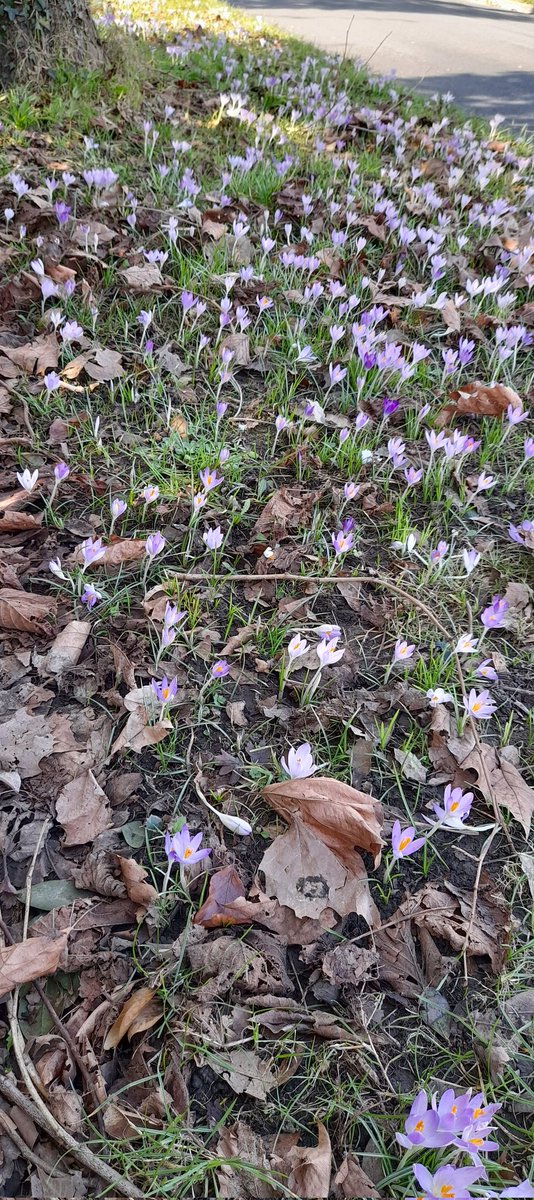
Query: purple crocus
{"points": [[493, 615], [479, 705], [184, 849], [389, 406], [154, 544], [486, 670], [61, 471], [220, 669], [404, 842], [52, 381], [92, 551], [342, 542], [213, 538], [456, 807], [165, 690], [422, 1123], [210, 479], [448, 1183], [90, 596], [402, 651]]}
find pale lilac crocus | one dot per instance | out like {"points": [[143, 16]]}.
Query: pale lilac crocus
{"points": [[448, 1183], [213, 538], [55, 567], [220, 669], [437, 696], [493, 616], [184, 849], [350, 490], [27, 479], [528, 449], [471, 559], [479, 705], [466, 644], [165, 689], [90, 596], [342, 542], [52, 381], [299, 763], [402, 651], [421, 1125], [297, 647], [404, 842], [328, 652], [150, 493], [209, 479], [437, 556], [61, 472], [154, 544], [456, 807], [117, 508], [71, 332], [474, 1140], [92, 551], [328, 632], [486, 670], [413, 476], [484, 482]]}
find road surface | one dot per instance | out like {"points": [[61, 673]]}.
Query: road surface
{"points": [[483, 55]]}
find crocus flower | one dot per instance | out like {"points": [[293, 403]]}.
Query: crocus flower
{"points": [[342, 542], [117, 508], [61, 471], [27, 479], [299, 763], [466, 644], [172, 616], [452, 1111], [422, 1122], [437, 696], [479, 705], [150, 493], [486, 670], [517, 533], [220, 669], [328, 653], [484, 482], [52, 381], [402, 651], [471, 560], [213, 538], [493, 616], [90, 596], [154, 544], [297, 647], [413, 476], [350, 490], [456, 807], [224, 456], [199, 499], [55, 567], [474, 1140], [528, 448], [448, 1183], [71, 332], [184, 849], [437, 555], [210, 479], [520, 1191], [92, 551], [165, 690], [404, 842], [328, 632]]}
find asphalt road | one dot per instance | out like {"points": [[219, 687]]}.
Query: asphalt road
{"points": [[483, 55]]}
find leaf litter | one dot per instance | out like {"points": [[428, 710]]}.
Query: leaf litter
{"points": [[240, 994]]}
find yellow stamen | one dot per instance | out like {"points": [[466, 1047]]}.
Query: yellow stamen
{"points": [[477, 1112], [454, 806], [165, 693], [447, 1192], [476, 1141], [188, 853], [405, 842], [419, 1128], [454, 1109], [476, 706]]}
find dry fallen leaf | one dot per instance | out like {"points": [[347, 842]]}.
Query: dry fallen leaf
{"points": [[245, 1072], [26, 611], [103, 364], [118, 553], [67, 647], [141, 279], [310, 1168], [239, 344], [447, 913], [336, 813], [225, 886], [304, 875], [35, 357], [36, 957], [137, 733], [240, 1144], [286, 509], [480, 400], [141, 1012], [352, 1183], [134, 878], [83, 809]]}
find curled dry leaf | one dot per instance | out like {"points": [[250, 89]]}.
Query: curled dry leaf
{"points": [[138, 890], [67, 647], [25, 611], [303, 874], [240, 1144], [246, 1073], [338, 814], [352, 1183], [83, 809], [239, 344], [238, 640], [225, 886], [447, 913], [141, 1012], [137, 734], [32, 959], [287, 507], [310, 1168], [19, 522]]}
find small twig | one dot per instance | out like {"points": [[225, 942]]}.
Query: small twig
{"points": [[13, 1134]]}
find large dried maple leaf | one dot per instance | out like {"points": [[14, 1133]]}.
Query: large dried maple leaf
{"points": [[342, 817]]}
